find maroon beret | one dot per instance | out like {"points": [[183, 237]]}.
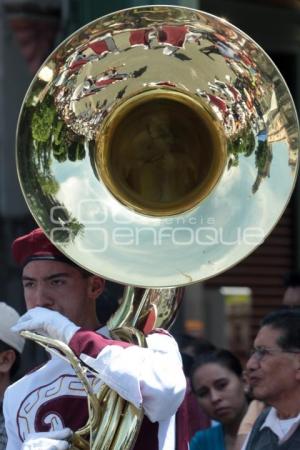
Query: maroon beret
{"points": [[33, 246]]}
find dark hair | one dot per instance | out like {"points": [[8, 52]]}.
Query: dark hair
{"points": [[108, 301], [291, 279], [288, 321], [16, 365], [198, 346], [220, 356]]}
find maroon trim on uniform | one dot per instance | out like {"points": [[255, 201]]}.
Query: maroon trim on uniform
{"points": [[182, 426], [148, 436], [63, 407], [91, 343], [197, 419], [51, 402]]}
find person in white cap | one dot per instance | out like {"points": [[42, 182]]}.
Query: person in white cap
{"points": [[11, 347]]}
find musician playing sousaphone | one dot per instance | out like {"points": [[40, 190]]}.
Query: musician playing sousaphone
{"points": [[44, 408], [141, 181]]}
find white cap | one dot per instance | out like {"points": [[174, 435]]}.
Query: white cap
{"points": [[8, 318]]}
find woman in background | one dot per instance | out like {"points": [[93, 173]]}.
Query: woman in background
{"points": [[217, 381]]}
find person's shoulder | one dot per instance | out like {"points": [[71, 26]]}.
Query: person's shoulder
{"points": [[161, 339], [262, 416], [205, 436], [260, 420]]}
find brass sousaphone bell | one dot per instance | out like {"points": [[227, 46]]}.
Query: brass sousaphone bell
{"points": [[157, 146]]}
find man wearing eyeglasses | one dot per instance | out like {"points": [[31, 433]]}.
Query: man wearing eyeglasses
{"points": [[274, 376]]}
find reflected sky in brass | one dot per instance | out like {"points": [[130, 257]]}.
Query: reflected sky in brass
{"points": [[111, 61]]}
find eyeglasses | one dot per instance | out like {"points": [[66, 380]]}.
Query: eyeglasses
{"points": [[263, 352]]}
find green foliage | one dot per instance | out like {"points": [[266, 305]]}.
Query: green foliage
{"points": [[50, 133], [242, 144], [262, 155], [49, 184], [42, 122], [57, 132]]}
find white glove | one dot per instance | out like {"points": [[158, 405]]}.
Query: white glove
{"points": [[49, 440], [48, 323]]}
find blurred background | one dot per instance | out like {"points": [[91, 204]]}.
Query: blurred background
{"points": [[226, 309]]}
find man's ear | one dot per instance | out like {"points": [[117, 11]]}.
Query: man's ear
{"points": [[7, 359], [245, 381], [97, 285]]}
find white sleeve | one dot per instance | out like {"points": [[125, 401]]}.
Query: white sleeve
{"points": [[150, 377], [13, 441]]}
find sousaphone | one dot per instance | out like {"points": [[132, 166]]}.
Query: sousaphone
{"points": [[157, 147]]}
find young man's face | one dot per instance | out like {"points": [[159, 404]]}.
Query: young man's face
{"points": [[61, 287]]}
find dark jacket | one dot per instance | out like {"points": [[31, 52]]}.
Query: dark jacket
{"points": [[265, 439]]}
